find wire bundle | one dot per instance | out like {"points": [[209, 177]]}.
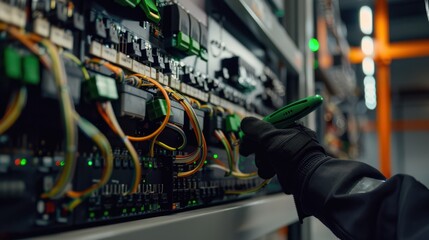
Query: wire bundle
{"points": [[70, 118], [165, 146], [222, 138], [106, 111], [200, 154], [70, 128], [233, 155]]}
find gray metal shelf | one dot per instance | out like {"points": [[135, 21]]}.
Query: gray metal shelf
{"points": [[269, 31], [248, 219]]}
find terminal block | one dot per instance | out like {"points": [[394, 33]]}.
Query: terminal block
{"points": [[101, 88], [156, 109]]}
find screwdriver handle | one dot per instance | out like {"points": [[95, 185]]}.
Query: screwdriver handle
{"points": [[289, 114]]}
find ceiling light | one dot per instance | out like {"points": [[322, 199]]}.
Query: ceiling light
{"points": [[367, 46], [365, 20], [368, 66]]}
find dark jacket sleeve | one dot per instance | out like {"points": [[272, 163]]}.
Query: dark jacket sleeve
{"points": [[397, 208]]}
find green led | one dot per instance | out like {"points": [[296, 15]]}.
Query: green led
{"points": [[62, 163], [124, 210], [314, 45], [205, 162], [150, 165], [23, 162], [215, 156], [106, 213], [194, 201], [142, 209], [90, 163], [189, 202], [91, 215], [133, 209]]}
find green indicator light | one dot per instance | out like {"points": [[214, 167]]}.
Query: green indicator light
{"points": [[124, 210], [189, 202], [150, 165], [215, 156], [62, 163], [195, 162], [205, 162], [314, 45], [23, 162], [106, 213], [90, 163], [91, 214], [141, 209], [133, 209], [194, 201]]}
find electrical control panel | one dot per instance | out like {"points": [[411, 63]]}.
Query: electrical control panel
{"points": [[125, 109]]}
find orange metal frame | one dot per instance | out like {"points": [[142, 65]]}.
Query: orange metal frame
{"points": [[384, 54], [418, 125]]}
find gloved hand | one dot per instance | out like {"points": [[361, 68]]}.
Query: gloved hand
{"points": [[285, 152]]}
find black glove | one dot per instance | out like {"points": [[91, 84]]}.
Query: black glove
{"points": [[288, 153]]}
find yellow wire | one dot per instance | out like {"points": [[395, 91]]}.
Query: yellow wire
{"points": [[200, 163], [210, 108], [234, 173], [132, 151], [106, 151], [236, 154], [165, 146], [66, 106], [188, 159], [14, 110], [98, 138], [67, 109], [222, 138], [236, 157], [251, 190], [193, 100], [201, 152], [79, 63]]}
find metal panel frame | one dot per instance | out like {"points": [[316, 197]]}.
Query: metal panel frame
{"points": [[248, 219], [273, 34]]}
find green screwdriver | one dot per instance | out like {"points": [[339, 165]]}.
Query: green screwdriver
{"points": [[289, 114]]}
